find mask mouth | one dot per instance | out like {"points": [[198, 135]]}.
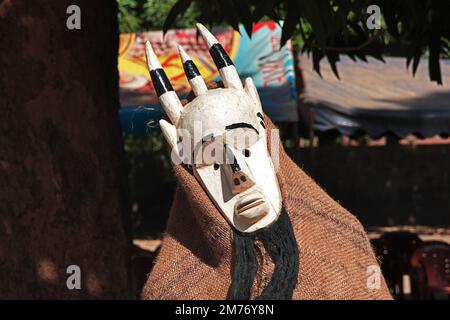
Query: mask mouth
{"points": [[251, 207]]}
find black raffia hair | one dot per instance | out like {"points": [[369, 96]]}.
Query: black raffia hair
{"points": [[279, 241]]}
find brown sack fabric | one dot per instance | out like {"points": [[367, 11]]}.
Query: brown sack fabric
{"points": [[196, 257]]}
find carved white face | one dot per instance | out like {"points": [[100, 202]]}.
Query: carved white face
{"points": [[223, 135]]}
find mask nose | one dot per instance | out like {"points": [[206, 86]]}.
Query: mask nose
{"points": [[237, 179]]}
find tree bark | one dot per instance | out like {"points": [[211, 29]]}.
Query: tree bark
{"points": [[62, 186]]}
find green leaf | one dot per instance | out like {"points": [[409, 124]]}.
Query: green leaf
{"points": [[332, 58], [317, 55], [179, 8], [244, 13], [434, 66], [291, 21]]}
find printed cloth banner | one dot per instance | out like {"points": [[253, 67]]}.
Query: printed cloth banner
{"points": [[259, 57]]}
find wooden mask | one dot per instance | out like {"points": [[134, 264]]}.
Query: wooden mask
{"points": [[221, 135]]}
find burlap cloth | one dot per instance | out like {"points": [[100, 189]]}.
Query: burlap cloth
{"points": [[195, 261]]}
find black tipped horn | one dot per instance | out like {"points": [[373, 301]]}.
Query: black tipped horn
{"points": [[220, 56], [160, 81], [190, 69]]}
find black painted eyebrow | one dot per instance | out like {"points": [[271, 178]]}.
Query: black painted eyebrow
{"points": [[241, 125]]}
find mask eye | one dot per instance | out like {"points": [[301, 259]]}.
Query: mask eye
{"points": [[246, 153]]}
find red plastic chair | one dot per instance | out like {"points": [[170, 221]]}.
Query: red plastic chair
{"points": [[394, 250], [430, 264]]}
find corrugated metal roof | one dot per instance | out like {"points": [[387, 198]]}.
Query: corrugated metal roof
{"points": [[377, 98]]}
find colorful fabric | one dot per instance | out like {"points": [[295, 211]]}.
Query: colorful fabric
{"points": [[272, 70]]}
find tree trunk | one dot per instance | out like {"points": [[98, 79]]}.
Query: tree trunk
{"points": [[62, 186]]}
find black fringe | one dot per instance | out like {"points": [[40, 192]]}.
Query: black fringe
{"points": [[245, 267], [279, 241]]}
